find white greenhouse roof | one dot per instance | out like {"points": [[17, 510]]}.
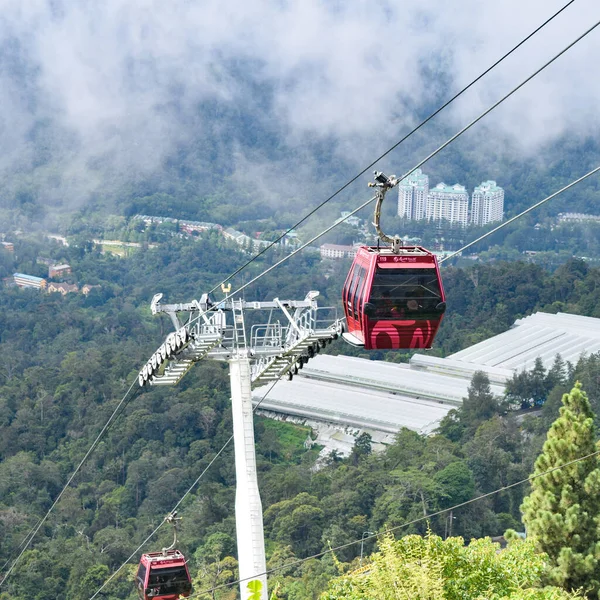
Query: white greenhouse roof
{"points": [[539, 335], [390, 377], [382, 396], [350, 406]]}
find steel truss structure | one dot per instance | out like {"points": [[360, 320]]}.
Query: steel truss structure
{"points": [[294, 331]]}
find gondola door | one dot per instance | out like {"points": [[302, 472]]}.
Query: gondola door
{"points": [[352, 323], [353, 298]]}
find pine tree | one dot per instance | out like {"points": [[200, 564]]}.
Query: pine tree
{"points": [[557, 375], [538, 382], [562, 513], [480, 404]]}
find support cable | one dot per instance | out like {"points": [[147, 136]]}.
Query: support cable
{"points": [[389, 150], [210, 464], [397, 527], [30, 536], [20, 545], [449, 141], [513, 219], [423, 161]]}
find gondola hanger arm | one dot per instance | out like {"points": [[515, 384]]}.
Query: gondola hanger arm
{"points": [[172, 518], [383, 183]]}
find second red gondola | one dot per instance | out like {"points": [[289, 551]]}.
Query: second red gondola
{"points": [[393, 300], [163, 576]]}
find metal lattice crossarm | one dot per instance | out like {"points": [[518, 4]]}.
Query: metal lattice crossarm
{"points": [[293, 332]]}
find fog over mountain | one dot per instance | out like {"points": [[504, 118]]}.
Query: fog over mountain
{"points": [[101, 96]]}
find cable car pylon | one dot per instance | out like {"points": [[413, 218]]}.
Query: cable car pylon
{"points": [[292, 333]]}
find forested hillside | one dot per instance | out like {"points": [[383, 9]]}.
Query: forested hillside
{"points": [[65, 362], [119, 119], [197, 183]]}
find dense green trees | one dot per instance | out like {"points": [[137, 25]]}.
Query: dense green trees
{"points": [[562, 514], [66, 361], [479, 406]]}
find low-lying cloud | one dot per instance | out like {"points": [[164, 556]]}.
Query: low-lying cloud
{"points": [[119, 83]]}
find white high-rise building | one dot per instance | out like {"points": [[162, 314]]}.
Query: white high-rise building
{"points": [[448, 202], [412, 196], [487, 203]]}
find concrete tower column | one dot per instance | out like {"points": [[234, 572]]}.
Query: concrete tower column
{"points": [[248, 507]]}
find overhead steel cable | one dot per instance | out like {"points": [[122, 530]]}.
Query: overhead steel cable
{"points": [[389, 150], [151, 535], [20, 545], [513, 219], [396, 528], [422, 162], [30, 536], [111, 419]]}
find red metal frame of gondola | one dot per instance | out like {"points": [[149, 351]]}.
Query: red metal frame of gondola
{"points": [[400, 321], [163, 576]]}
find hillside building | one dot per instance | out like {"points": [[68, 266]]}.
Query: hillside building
{"points": [[8, 246], [241, 239], [572, 217], [62, 288], [487, 205], [448, 202], [87, 288], [59, 270], [29, 281], [412, 196], [350, 220], [337, 251]]}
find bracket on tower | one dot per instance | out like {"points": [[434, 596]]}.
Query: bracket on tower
{"points": [[294, 332]]}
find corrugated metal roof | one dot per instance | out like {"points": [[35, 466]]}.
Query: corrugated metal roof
{"points": [[391, 377], [349, 406], [363, 393], [28, 277], [539, 335], [387, 396], [458, 368]]}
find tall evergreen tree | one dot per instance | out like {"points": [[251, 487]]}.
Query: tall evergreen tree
{"points": [[557, 375], [480, 404], [539, 382], [562, 513]]}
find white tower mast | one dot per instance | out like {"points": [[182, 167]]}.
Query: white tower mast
{"points": [[280, 346]]}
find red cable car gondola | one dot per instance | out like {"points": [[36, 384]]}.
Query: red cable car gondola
{"points": [[393, 296], [164, 575]]}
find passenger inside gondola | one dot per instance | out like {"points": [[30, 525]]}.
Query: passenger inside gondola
{"points": [[406, 293], [386, 306], [169, 581]]}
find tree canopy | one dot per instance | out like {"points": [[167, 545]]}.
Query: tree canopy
{"points": [[562, 513], [430, 568]]}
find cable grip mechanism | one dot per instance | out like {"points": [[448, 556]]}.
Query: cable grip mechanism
{"points": [[383, 183], [172, 518]]}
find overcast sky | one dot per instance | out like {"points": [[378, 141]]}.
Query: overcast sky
{"points": [[123, 77]]}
